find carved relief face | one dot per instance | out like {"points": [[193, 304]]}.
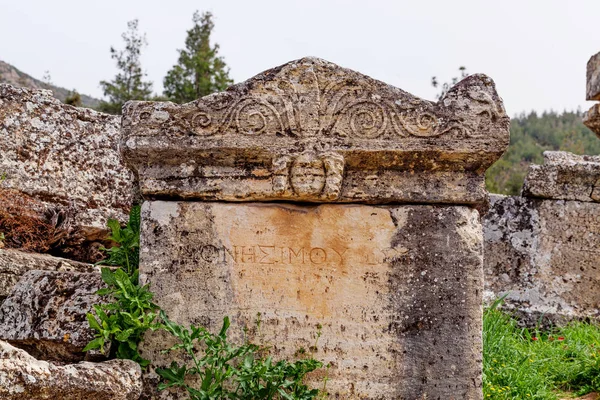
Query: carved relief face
{"points": [[308, 175]]}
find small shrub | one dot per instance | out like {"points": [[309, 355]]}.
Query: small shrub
{"points": [[226, 371], [127, 252], [123, 321], [73, 98]]}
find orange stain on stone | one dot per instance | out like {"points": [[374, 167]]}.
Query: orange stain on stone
{"points": [[309, 260]]}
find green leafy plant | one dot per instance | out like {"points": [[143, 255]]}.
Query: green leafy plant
{"points": [[226, 371], [123, 322], [130, 312], [223, 370], [127, 252]]}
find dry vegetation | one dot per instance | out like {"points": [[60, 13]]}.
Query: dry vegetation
{"points": [[29, 225]]}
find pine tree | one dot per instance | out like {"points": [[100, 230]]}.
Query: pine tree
{"points": [[199, 70], [129, 83]]}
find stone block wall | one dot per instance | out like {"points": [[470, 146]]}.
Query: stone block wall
{"points": [[61, 178], [316, 196], [542, 250]]}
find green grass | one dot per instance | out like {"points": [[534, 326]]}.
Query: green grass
{"points": [[530, 364]]}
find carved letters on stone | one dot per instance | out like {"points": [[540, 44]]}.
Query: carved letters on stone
{"points": [[313, 131]]}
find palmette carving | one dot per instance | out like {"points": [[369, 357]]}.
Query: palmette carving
{"points": [[309, 98]]}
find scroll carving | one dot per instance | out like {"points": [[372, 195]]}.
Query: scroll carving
{"points": [[315, 98]]}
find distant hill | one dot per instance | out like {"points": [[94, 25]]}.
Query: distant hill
{"points": [[12, 76]]}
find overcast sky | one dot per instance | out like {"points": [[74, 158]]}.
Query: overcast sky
{"points": [[536, 51]]}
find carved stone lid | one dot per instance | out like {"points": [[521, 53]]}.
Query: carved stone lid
{"points": [[312, 131]]}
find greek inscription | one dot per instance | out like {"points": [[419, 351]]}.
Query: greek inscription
{"points": [[248, 254], [296, 254], [264, 254], [267, 253], [340, 253], [318, 255]]}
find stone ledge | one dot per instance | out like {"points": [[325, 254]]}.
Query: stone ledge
{"points": [[564, 176], [14, 264], [24, 377], [311, 131], [46, 314]]}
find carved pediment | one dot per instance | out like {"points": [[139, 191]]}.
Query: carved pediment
{"points": [[312, 110], [312, 97]]}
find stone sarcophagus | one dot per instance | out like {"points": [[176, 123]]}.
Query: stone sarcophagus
{"points": [[325, 200]]}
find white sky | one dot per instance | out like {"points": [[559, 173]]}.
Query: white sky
{"points": [[536, 51]]}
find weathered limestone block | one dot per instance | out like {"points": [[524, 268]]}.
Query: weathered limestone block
{"points": [[564, 176], [24, 377], [14, 263], [591, 119], [46, 314], [397, 289], [312, 131], [66, 157], [545, 255], [593, 78]]}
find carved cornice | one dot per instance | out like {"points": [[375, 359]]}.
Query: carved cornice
{"points": [[311, 120]]}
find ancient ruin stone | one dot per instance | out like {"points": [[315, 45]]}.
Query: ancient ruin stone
{"points": [[593, 78], [397, 289], [24, 377], [564, 176], [544, 255], [591, 119], [313, 131], [15, 263], [46, 314], [64, 157]]}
